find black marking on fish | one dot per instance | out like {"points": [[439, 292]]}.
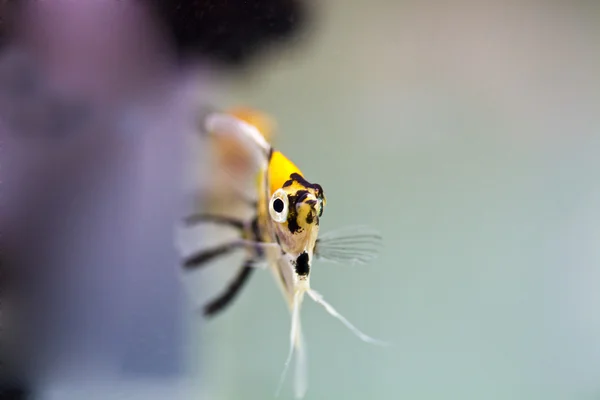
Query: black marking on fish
{"points": [[232, 290], [270, 155], [292, 219], [288, 183], [255, 230], [204, 257], [301, 195], [302, 266], [300, 179], [217, 219], [222, 301], [310, 218]]}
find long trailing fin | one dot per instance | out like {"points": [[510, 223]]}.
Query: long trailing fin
{"points": [[318, 298], [296, 342], [301, 372]]}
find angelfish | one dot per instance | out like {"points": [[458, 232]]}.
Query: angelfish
{"points": [[283, 235]]}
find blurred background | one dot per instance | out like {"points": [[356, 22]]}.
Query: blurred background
{"points": [[467, 133]]}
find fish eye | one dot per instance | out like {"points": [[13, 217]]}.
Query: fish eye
{"points": [[279, 206]]}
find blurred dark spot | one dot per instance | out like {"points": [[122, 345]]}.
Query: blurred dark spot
{"points": [[13, 392], [229, 33], [7, 11]]}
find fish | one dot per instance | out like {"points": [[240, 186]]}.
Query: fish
{"points": [[283, 235]]}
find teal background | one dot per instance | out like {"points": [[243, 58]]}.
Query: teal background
{"points": [[468, 134]]}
